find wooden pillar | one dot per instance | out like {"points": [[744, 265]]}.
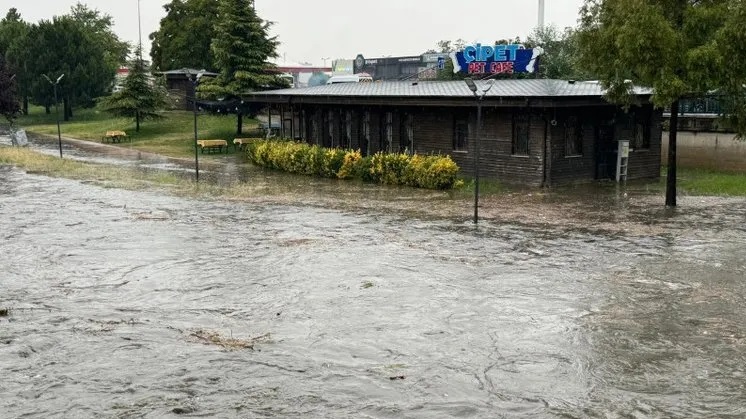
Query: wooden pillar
{"points": [[282, 121], [269, 119]]}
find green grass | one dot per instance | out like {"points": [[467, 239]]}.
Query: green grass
{"points": [[710, 182], [172, 135]]}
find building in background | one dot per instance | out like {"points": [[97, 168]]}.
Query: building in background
{"points": [[414, 67], [301, 73]]}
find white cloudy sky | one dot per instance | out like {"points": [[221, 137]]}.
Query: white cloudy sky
{"points": [[311, 30]]}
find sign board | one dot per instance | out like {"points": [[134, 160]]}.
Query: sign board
{"points": [[343, 67], [496, 59]]}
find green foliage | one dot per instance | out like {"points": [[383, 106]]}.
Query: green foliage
{"points": [[185, 36], [560, 58], [13, 47], [140, 98], [241, 47], [430, 172], [9, 107]]}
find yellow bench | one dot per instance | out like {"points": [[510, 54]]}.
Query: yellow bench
{"points": [[212, 145], [240, 143], [114, 136]]}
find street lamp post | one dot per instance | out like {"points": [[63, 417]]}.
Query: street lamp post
{"points": [[479, 97], [195, 83], [57, 108]]}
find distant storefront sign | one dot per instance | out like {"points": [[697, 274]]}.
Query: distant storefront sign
{"points": [[497, 59], [343, 67]]}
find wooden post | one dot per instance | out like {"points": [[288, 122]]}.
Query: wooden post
{"points": [[282, 121]]}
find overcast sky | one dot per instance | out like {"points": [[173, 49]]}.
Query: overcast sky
{"points": [[313, 30]]}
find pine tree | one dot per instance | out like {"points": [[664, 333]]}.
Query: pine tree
{"points": [[242, 48], [9, 105], [138, 99]]}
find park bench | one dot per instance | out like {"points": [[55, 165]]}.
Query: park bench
{"points": [[212, 145], [114, 136]]}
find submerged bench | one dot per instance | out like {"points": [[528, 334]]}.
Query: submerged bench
{"points": [[212, 145], [114, 136]]}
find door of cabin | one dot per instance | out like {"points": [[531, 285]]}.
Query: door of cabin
{"points": [[606, 152]]}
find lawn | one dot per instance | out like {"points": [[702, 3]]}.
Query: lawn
{"points": [[709, 182], [173, 135]]}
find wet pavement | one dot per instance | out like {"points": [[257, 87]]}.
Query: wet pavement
{"points": [[368, 302]]}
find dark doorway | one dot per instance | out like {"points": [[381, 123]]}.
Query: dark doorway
{"points": [[606, 152]]}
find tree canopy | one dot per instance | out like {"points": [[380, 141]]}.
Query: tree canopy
{"points": [[679, 48], [9, 105], [184, 39], [80, 45], [560, 58], [242, 48]]}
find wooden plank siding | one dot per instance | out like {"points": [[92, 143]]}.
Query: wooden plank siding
{"points": [[547, 162]]}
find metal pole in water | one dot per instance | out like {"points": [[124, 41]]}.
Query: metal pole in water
{"points": [[196, 155], [476, 160], [57, 111]]}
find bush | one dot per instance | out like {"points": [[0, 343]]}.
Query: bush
{"points": [[430, 172]]}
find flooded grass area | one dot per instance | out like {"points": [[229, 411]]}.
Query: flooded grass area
{"points": [[261, 294], [172, 135]]}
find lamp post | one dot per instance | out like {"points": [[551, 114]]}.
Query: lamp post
{"points": [[195, 82], [479, 97], [56, 108]]}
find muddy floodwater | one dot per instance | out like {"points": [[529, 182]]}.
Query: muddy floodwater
{"points": [[329, 301]]}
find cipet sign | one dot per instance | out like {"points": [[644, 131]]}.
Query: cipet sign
{"points": [[496, 59]]}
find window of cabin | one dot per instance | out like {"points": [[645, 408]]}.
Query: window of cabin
{"points": [[330, 128], [573, 137], [460, 134], [406, 134], [348, 130], [366, 133], [641, 134], [521, 124], [389, 133]]}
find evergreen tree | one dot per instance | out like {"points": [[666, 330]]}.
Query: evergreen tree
{"points": [[9, 107], [678, 47], [14, 48], [242, 48], [139, 98]]}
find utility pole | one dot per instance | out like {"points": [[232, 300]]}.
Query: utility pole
{"points": [[541, 14]]}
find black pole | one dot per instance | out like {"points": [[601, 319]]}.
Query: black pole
{"points": [[196, 155], [57, 111], [672, 134], [476, 160]]}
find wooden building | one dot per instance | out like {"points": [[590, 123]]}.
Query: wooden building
{"points": [[535, 132]]}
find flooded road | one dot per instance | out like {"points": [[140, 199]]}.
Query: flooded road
{"points": [[361, 304]]}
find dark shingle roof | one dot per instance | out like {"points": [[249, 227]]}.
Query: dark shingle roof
{"points": [[501, 88]]}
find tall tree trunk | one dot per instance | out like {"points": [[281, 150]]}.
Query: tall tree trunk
{"points": [[672, 134], [137, 121], [25, 105], [48, 109], [239, 128]]}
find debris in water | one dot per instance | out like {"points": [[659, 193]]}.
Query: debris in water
{"points": [[397, 377], [214, 338], [367, 284], [4, 312]]}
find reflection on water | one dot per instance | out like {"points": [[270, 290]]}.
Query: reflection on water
{"points": [[375, 306]]}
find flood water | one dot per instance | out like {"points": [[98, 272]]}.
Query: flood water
{"points": [[386, 304]]}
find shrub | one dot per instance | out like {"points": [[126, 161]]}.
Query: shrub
{"points": [[431, 172]]}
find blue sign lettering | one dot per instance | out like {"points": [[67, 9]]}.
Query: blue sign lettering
{"points": [[498, 59]]}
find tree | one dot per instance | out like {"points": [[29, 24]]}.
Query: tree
{"points": [[64, 46], [139, 98], [8, 100], [242, 48], [98, 27], [678, 47], [560, 58], [185, 36], [13, 47]]}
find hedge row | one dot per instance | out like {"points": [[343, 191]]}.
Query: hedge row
{"points": [[430, 172]]}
